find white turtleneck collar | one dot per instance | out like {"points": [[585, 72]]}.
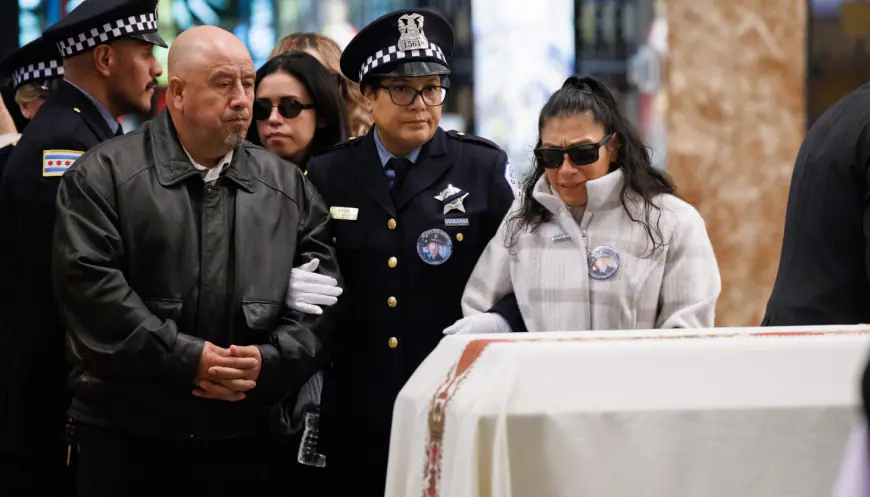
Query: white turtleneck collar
{"points": [[600, 193]]}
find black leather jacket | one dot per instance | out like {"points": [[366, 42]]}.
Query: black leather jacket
{"points": [[149, 262]]}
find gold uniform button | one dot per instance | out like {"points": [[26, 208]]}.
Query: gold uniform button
{"points": [[460, 133], [392, 262], [391, 224], [459, 237], [392, 302], [393, 342]]}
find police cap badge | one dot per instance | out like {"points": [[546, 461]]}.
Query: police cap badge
{"points": [[404, 43]]}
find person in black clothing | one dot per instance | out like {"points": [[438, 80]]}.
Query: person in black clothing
{"points": [[298, 114], [172, 251], [824, 267], [391, 192], [35, 70], [298, 111], [107, 72]]}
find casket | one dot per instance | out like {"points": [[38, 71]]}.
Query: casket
{"points": [[725, 412]]}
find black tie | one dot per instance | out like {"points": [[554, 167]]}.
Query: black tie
{"points": [[400, 166], [120, 131]]}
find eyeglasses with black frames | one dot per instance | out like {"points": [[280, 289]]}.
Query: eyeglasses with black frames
{"points": [[432, 95]]}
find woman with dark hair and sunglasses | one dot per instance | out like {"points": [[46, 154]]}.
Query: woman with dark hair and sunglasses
{"points": [[599, 240], [298, 111], [298, 114]]}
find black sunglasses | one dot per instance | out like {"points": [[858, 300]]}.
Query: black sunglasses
{"points": [[288, 107], [580, 155]]}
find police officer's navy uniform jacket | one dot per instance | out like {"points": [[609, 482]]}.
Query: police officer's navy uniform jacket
{"points": [[399, 304], [824, 269], [5, 152], [32, 336]]}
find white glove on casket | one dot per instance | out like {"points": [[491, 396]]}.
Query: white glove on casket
{"points": [[488, 322], [307, 290]]}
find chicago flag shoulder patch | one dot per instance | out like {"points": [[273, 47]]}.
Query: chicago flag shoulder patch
{"points": [[56, 162]]}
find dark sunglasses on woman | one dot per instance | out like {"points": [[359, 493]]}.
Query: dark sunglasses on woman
{"points": [[288, 107], [580, 155]]}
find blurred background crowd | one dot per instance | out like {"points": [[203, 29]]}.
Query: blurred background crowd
{"points": [[722, 92]]}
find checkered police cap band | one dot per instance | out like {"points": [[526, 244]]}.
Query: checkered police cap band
{"points": [[132, 25], [41, 71], [393, 54]]}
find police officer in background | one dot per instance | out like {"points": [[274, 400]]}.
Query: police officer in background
{"points": [[395, 194], [109, 70], [35, 70]]}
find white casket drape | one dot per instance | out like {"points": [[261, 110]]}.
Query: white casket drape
{"points": [[722, 412]]}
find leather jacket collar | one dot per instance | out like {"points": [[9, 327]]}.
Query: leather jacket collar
{"points": [[173, 165]]}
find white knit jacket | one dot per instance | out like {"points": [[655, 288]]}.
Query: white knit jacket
{"points": [[676, 287]]}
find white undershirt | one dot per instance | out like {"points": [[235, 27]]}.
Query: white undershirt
{"points": [[213, 173]]}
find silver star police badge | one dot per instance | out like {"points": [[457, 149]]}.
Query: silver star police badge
{"points": [[452, 199]]}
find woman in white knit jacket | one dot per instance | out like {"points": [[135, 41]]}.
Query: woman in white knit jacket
{"points": [[598, 240]]}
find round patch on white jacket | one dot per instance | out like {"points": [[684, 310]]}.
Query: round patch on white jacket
{"points": [[603, 262]]}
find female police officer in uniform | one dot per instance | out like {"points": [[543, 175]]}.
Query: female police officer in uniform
{"points": [[413, 207]]}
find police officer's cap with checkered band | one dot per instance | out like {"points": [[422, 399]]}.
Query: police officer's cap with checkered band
{"points": [[404, 43], [97, 22], [37, 63]]}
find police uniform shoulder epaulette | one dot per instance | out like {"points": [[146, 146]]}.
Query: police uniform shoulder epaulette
{"points": [[459, 135], [353, 140]]}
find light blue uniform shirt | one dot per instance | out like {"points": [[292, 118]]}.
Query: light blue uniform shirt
{"points": [[111, 121], [385, 156]]}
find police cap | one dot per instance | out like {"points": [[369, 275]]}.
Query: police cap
{"points": [[404, 43], [36, 62], [96, 22]]}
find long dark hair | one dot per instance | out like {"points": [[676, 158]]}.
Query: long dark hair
{"points": [[323, 89], [327, 50], [584, 95]]}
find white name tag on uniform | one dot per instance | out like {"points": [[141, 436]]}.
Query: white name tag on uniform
{"points": [[344, 213]]}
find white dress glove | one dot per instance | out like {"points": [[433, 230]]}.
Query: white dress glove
{"points": [[307, 290], [488, 322]]}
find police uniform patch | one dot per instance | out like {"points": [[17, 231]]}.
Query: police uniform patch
{"points": [[56, 162], [434, 247], [511, 177]]}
